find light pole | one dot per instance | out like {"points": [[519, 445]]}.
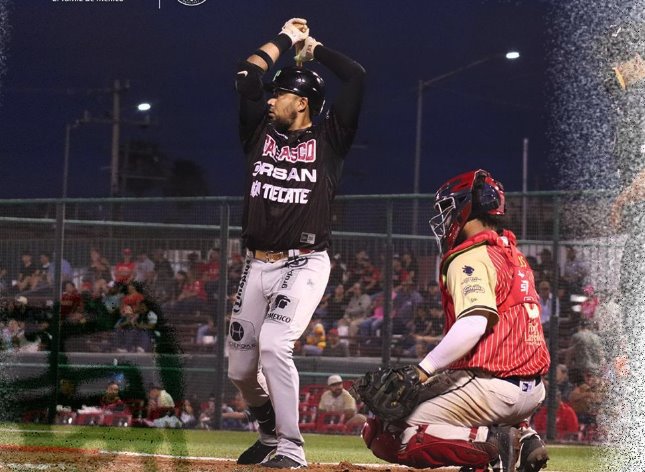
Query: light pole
{"points": [[424, 84]]}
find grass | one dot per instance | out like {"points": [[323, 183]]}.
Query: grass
{"points": [[229, 444]]}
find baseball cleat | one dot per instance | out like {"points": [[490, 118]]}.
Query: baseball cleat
{"points": [[256, 454], [283, 462], [533, 453]]}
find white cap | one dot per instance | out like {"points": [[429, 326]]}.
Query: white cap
{"points": [[334, 379], [21, 299]]}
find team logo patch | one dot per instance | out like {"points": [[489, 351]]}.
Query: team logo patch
{"points": [[282, 309], [468, 270], [241, 336], [470, 289]]}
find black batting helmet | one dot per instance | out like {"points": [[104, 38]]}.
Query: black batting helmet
{"points": [[304, 83]]}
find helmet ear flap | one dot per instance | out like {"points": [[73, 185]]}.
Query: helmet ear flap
{"points": [[487, 197]]}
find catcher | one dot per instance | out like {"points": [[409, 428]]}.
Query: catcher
{"points": [[457, 406]]}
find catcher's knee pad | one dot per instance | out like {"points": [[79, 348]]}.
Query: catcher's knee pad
{"points": [[425, 450], [383, 445]]}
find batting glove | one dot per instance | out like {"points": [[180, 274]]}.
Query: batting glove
{"points": [[296, 29], [306, 53]]}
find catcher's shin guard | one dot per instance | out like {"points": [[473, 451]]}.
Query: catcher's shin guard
{"points": [[425, 450], [383, 445]]}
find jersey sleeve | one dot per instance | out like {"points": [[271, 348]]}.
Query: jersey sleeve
{"points": [[471, 281]]}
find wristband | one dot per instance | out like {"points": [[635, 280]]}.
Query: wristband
{"points": [[282, 42], [265, 57]]}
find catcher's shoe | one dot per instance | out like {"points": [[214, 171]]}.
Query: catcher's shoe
{"points": [[533, 454], [283, 462], [256, 454]]}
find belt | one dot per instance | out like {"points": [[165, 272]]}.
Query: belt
{"points": [[274, 256], [516, 380]]}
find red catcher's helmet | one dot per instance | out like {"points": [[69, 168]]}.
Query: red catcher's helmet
{"points": [[463, 198]]}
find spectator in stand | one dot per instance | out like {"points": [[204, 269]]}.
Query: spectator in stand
{"points": [[124, 269], [133, 295], [206, 333], [71, 305], [191, 297], [404, 305], [113, 298], [315, 340], [399, 274], [99, 271], [566, 420], [562, 380], [13, 335], [125, 329], [337, 271], [337, 399], [372, 325], [370, 278], [546, 268], [546, 302], [431, 294], [207, 415], [586, 352], [144, 269], [240, 418], [533, 264], [145, 328], [187, 415], [575, 271], [111, 400], [28, 273], [410, 265], [334, 307], [335, 347], [416, 329], [586, 398], [210, 273], [161, 409], [358, 308], [46, 274], [164, 276]]}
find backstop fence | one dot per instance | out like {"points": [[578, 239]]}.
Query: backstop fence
{"points": [[70, 323]]}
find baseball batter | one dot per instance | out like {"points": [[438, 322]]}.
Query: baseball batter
{"points": [[293, 168], [486, 372]]}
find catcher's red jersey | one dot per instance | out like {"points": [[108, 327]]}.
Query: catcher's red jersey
{"points": [[488, 273]]}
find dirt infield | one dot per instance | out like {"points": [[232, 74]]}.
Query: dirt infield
{"points": [[21, 458]]}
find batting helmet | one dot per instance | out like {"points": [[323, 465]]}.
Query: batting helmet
{"points": [[464, 198], [302, 82]]}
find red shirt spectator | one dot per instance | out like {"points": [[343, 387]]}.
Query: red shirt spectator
{"points": [[124, 270], [133, 298], [566, 421], [70, 301]]}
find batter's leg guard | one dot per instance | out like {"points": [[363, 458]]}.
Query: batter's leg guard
{"points": [[383, 445], [265, 415], [425, 450]]}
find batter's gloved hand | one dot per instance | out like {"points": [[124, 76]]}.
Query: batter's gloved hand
{"points": [[306, 50], [296, 29], [391, 394]]}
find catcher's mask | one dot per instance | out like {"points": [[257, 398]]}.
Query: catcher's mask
{"points": [[302, 82], [464, 198]]}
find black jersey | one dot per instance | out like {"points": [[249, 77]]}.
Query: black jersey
{"points": [[292, 180], [292, 176]]}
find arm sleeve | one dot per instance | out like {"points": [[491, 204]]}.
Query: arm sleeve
{"points": [[462, 337], [347, 105], [248, 84]]}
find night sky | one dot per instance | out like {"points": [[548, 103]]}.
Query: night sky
{"points": [[183, 60]]}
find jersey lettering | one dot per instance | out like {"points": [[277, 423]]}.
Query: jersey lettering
{"points": [[280, 194], [279, 173], [303, 152]]}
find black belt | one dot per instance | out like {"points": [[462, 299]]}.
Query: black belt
{"points": [[516, 380]]}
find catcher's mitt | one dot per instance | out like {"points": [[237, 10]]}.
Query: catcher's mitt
{"points": [[391, 394]]}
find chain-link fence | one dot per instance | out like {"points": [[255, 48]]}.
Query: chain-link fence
{"points": [[138, 292]]}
